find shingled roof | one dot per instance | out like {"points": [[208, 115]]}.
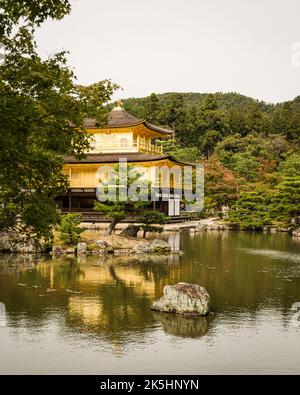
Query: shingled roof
{"points": [[118, 117], [115, 157]]}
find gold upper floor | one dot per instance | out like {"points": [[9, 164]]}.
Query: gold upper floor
{"points": [[130, 139]]}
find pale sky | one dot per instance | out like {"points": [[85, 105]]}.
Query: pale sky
{"points": [[183, 45]]}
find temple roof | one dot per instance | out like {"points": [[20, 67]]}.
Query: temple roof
{"points": [[114, 158], [118, 117]]}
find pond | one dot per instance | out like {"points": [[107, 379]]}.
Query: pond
{"points": [[92, 316]]}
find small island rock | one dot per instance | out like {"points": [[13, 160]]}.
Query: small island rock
{"points": [[156, 246], [183, 298]]}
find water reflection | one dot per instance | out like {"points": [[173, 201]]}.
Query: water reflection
{"points": [[108, 298], [177, 325]]}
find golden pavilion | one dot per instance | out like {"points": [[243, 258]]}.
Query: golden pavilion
{"points": [[129, 138]]}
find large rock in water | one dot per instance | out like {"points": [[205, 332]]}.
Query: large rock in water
{"points": [[156, 246], [183, 298]]}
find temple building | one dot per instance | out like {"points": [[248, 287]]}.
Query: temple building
{"points": [[129, 138]]}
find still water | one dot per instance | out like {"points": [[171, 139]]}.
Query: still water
{"points": [[93, 316]]}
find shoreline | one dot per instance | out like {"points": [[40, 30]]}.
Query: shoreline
{"points": [[122, 245]]}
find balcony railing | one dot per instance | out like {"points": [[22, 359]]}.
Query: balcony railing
{"points": [[144, 144], [139, 144]]}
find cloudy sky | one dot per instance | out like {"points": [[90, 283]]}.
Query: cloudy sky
{"points": [[248, 46]]}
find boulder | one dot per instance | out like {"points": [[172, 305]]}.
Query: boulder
{"points": [[28, 246], [81, 249], [17, 242], [158, 246], [296, 232], [102, 244], [183, 298], [57, 250], [142, 248], [131, 231]]}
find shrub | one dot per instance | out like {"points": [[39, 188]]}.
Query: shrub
{"points": [[69, 228]]}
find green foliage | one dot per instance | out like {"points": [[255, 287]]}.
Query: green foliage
{"points": [[250, 212], [220, 185], [210, 206], [285, 201], [174, 148], [151, 221], [41, 117], [69, 228], [32, 11], [116, 208], [211, 126], [152, 109], [291, 165], [245, 145]]}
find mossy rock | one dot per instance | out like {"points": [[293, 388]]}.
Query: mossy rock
{"points": [[161, 250], [93, 247]]}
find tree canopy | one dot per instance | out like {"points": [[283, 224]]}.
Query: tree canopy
{"points": [[41, 116], [245, 145]]}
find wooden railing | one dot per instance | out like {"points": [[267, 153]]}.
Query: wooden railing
{"points": [[144, 144], [137, 144]]}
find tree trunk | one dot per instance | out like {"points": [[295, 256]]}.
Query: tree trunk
{"points": [[130, 231], [144, 234], [111, 227]]}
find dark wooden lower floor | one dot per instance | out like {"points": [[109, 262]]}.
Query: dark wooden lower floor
{"points": [[82, 201]]}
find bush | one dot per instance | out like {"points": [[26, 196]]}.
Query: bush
{"points": [[151, 221], [69, 228]]}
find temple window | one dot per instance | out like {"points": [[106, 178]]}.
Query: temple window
{"points": [[124, 142]]}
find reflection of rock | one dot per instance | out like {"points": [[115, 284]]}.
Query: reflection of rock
{"points": [[159, 259], [183, 298], [82, 259], [183, 326], [70, 251], [11, 262]]}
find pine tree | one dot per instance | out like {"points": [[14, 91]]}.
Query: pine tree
{"points": [[152, 109], [250, 212], [210, 126], [285, 200]]}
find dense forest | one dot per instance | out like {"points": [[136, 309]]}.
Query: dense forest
{"points": [[250, 150]]}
